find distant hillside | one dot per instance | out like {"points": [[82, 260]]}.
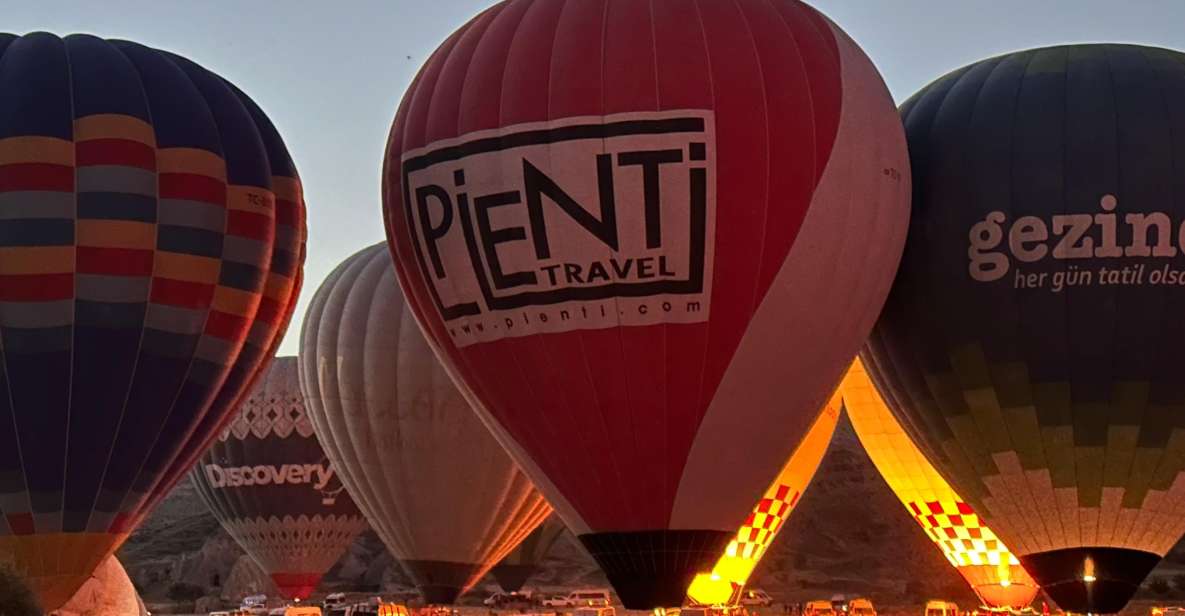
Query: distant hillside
{"points": [[849, 535]]}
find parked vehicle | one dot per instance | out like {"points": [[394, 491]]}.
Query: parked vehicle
{"points": [[590, 597], [941, 608], [302, 610], [861, 607], [334, 600], [555, 601], [755, 597], [819, 607], [709, 610], [518, 599], [254, 605], [604, 610]]}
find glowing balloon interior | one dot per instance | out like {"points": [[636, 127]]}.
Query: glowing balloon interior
{"points": [[724, 583], [972, 548]]}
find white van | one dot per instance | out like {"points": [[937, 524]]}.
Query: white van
{"points": [[595, 611], [755, 597], [941, 608], [590, 597]]}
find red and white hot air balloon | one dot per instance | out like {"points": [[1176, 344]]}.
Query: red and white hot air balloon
{"points": [[646, 238]]}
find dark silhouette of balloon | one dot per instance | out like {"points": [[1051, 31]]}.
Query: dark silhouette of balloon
{"points": [[647, 238], [269, 483], [1032, 344], [152, 235], [442, 494], [513, 571]]}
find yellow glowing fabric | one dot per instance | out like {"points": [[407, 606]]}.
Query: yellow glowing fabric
{"points": [[970, 546], [723, 585]]}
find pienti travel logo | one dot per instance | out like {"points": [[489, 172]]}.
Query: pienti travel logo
{"points": [[581, 223]]}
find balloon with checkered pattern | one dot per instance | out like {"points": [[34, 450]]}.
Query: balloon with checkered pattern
{"points": [[972, 548], [724, 583], [1032, 344]]}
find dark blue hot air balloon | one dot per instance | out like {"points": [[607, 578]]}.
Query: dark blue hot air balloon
{"points": [[151, 239], [1033, 342]]}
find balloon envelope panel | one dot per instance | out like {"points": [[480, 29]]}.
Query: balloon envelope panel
{"points": [[972, 548], [614, 218], [270, 484], [724, 583], [439, 490], [1031, 344], [107, 592], [151, 217]]}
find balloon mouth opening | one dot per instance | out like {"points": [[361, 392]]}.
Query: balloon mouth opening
{"points": [[1090, 580], [654, 568], [296, 586]]}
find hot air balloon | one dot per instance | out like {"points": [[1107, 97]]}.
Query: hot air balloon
{"points": [[1032, 344], [656, 231], [724, 583], [108, 592], [153, 229], [440, 492], [516, 567], [269, 483], [971, 547]]}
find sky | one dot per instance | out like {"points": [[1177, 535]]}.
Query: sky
{"points": [[330, 74]]}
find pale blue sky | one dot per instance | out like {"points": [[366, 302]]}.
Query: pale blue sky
{"points": [[330, 73]]}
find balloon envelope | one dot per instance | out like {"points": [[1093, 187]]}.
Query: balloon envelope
{"points": [[442, 494], [724, 583], [269, 483], [153, 234], [642, 234], [1032, 344], [107, 592], [972, 548]]}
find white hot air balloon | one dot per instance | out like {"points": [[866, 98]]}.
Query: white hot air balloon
{"points": [[434, 484]]}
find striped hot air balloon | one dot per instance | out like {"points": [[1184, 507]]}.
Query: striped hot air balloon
{"points": [[972, 548], [270, 484], [442, 494], [724, 583], [151, 239], [664, 227]]}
